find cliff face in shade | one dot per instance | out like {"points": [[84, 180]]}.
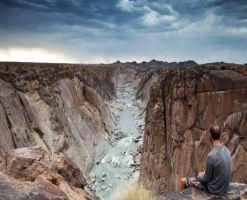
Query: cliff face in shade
{"points": [[183, 104], [62, 108]]}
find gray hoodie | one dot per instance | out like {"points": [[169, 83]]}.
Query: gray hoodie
{"points": [[218, 171]]}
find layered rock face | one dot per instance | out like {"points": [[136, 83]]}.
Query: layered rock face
{"points": [[62, 108], [183, 104]]}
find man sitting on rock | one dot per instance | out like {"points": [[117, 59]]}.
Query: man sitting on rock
{"points": [[217, 176]]}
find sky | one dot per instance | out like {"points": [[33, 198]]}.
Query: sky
{"points": [[104, 31]]}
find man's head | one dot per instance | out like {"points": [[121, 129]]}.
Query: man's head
{"points": [[215, 132]]}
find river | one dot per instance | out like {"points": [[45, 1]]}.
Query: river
{"points": [[120, 166]]}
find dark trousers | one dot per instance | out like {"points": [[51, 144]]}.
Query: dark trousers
{"points": [[197, 182], [201, 184]]}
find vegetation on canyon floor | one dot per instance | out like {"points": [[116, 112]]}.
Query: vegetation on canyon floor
{"points": [[134, 192]]}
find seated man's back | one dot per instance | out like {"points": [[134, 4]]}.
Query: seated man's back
{"points": [[218, 172], [216, 178]]}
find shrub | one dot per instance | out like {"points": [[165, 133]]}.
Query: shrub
{"points": [[134, 192]]}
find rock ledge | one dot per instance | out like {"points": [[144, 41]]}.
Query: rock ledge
{"points": [[237, 191]]}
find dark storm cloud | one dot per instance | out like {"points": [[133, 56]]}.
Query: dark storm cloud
{"points": [[40, 14], [91, 13], [236, 9], [115, 28]]}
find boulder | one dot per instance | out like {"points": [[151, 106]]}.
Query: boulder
{"points": [[32, 173]]}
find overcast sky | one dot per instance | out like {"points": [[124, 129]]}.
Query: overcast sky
{"points": [[93, 31]]}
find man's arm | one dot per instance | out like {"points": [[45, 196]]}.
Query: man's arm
{"points": [[209, 170]]}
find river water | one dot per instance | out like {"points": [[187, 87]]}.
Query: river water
{"points": [[120, 166]]}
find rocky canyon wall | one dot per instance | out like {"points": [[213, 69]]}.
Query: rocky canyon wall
{"points": [[62, 108], [183, 103]]}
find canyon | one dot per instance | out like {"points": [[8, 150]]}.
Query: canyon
{"points": [[76, 131]]}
